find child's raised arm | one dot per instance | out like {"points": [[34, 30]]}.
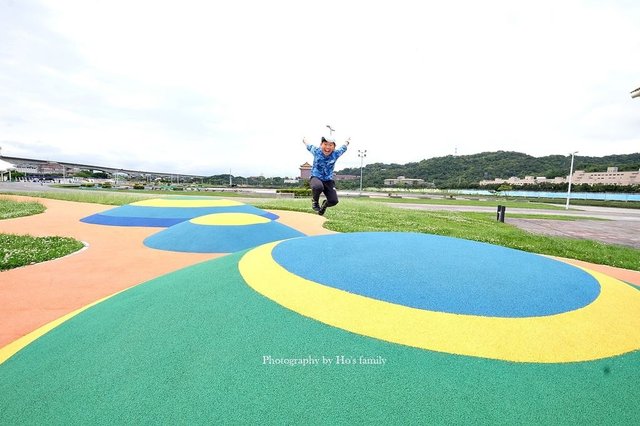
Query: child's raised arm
{"points": [[304, 141]]}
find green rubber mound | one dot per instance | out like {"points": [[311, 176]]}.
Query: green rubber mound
{"points": [[200, 346]]}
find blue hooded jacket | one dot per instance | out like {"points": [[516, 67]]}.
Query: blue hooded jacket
{"points": [[323, 165]]}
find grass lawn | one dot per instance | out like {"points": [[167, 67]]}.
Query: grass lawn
{"points": [[10, 208], [22, 250], [112, 198], [488, 202]]}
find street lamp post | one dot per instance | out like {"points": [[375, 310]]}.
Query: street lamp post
{"points": [[362, 154], [570, 177]]}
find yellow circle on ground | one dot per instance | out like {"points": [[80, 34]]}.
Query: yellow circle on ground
{"points": [[232, 219], [167, 202], [607, 327]]}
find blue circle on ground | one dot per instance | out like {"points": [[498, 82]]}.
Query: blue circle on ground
{"points": [[195, 238], [130, 215], [438, 273]]}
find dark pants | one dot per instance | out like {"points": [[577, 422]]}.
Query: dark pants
{"points": [[327, 186]]}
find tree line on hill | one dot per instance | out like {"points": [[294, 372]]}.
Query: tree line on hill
{"points": [[460, 172], [466, 171]]}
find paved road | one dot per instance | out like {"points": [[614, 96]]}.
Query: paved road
{"points": [[29, 187], [610, 225]]}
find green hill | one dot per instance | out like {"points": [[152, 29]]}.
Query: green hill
{"points": [[467, 170]]}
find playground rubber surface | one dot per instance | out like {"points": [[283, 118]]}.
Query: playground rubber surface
{"points": [[165, 213], [402, 328], [115, 259]]}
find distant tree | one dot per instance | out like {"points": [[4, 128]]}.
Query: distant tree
{"points": [[83, 174], [503, 189]]}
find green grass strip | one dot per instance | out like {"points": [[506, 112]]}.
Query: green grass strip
{"points": [[10, 209], [90, 196], [445, 201]]}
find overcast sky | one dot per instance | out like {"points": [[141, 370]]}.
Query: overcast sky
{"points": [[208, 87]]}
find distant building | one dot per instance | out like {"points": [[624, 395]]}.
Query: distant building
{"points": [[305, 171], [345, 177], [51, 168], [528, 180], [401, 180], [28, 169], [611, 177]]}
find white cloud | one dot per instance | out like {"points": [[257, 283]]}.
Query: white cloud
{"points": [[211, 86]]}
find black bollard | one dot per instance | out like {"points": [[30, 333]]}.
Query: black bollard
{"points": [[501, 212]]}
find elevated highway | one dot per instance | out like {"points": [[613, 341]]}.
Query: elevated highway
{"points": [[48, 167]]}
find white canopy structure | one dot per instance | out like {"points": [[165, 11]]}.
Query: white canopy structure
{"points": [[4, 168], [636, 93]]}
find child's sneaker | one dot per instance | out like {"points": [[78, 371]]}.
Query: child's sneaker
{"points": [[315, 206], [323, 208]]}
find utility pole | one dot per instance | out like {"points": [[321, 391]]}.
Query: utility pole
{"points": [[570, 176], [362, 154]]}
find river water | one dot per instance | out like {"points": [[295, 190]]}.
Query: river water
{"points": [[607, 196]]}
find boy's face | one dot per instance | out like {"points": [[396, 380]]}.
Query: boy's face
{"points": [[327, 147]]}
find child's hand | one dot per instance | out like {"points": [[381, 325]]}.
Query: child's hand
{"points": [[304, 141], [347, 141]]}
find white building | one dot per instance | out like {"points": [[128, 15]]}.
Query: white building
{"points": [[611, 177], [401, 180]]}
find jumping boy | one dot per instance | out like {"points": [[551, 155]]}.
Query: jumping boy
{"points": [[324, 160]]}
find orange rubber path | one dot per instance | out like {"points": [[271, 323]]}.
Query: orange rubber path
{"points": [[114, 259]]}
